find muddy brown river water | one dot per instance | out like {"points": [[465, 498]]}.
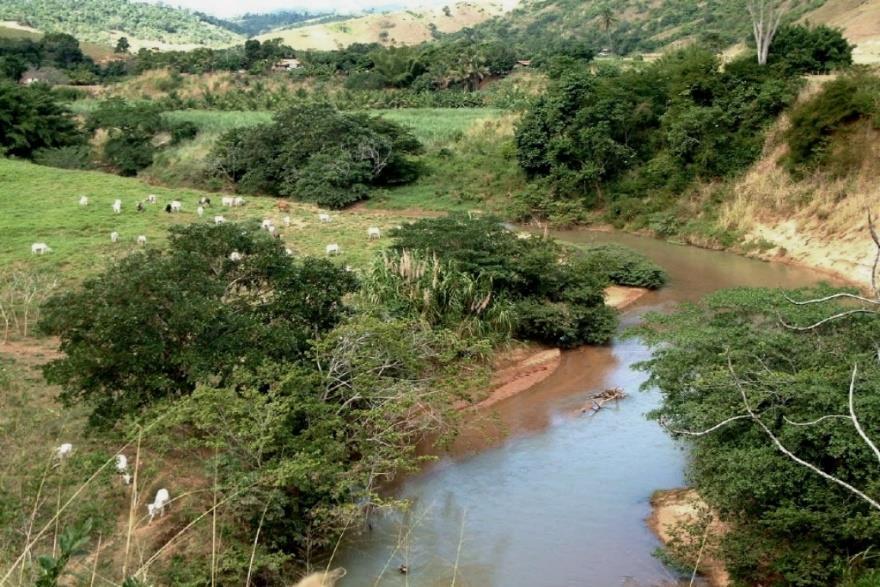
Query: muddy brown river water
{"points": [[536, 494]]}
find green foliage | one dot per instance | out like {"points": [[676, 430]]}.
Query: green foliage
{"points": [[787, 525], [623, 266], [168, 319], [618, 135], [31, 119], [315, 153], [815, 50], [70, 543], [817, 122], [93, 20], [557, 299], [122, 45]]}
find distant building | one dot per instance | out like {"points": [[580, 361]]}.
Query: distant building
{"points": [[286, 65]]}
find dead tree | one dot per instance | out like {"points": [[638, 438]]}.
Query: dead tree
{"points": [[766, 16]]}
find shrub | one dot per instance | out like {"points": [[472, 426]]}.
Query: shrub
{"points": [[365, 80], [168, 319], [315, 153], [73, 157], [623, 266], [803, 49], [32, 120]]}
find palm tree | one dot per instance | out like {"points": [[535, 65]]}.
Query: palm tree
{"points": [[607, 19]]}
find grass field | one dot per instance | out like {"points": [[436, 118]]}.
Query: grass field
{"points": [[40, 204]]}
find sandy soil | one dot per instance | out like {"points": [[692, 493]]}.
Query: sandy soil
{"points": [[676, 507], [618, 296]]}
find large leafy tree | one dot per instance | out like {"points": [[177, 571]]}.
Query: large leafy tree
{"points": [[31, 119], [315, 153], [756, 379], [158, 322]]}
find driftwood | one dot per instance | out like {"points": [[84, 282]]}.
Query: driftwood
{"points": [[599, 400]]}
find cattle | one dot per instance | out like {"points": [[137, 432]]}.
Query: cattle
{"points": [[235, 256], [282, 206], [219, 220], [324, 217], [204, 201], [228, 201], [288, 251], [152, 199], [266, 224], [117, 207], [176, 205], [332, 249], [121, 464], [140, 207], [286, 221], [157, 508], [64, 450], [373, 233], [142, 240], [114, 237], [40, 248], [83, 201], [238, 201], [200, 211]]}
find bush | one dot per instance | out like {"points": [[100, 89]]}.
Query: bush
{"points": [[557, 300], [802, 49], [317, 154], [816, 122], [74, 157], [365, 80], [168, 319], [623, 266], [33, 120]]}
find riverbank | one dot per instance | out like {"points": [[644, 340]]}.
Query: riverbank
{"points": [[673, 511], [520, 369]]}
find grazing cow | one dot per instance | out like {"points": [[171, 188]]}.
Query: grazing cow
{"points": [[219, 220], [228, 201], [204, 201], [152, 198], [200, 211], [235, 256], [168, 208], [157, 508], [373, 233], [40, 248], [286, 221], [64, 450], [140, 207], [272, 230], [121, 464], [142, 240], [117, 206], [267, 224], [238, 201], [288, 251], [176, 205], [332, 249], [83, 201], [114, 237], [282, 206], [126, 478], [324, 217]]}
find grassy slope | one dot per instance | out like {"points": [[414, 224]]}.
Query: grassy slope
{"points": [[403, 28], [97, 51], [40, 204]]}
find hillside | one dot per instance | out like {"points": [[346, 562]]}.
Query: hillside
{"points": [[392, 28], [104, 21], [860, 21]]}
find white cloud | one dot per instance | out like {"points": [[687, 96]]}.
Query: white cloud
{"points": [[227, 8]]}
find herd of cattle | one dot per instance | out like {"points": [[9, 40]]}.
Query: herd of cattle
{"points": [[175, 206]]}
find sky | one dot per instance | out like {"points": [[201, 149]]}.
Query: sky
{"points": [[226, 8]]}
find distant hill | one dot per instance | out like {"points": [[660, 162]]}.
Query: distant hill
{"points": [[251, 25], [860, 21], [403, 27], [104, 21], [12, 30]]}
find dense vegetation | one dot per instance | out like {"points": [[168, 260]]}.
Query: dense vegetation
{"points": [[93, 20], [631, 141], [31, 119], [251, 24], [55, 58], [735, 352], [315, 153]]}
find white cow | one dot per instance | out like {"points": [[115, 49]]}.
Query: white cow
{"points": [[219, 220], [40, 248], [228, 201], [157, 508], [152, 198], [373, 233], [121, 464], [117, 206], [200, 211], [142, 240], [235, 256], [238, 201], [126, 478], [286, 221], [267, 224], [114, 236], [176, 205], [288, 251], [83, 201], [324, 217], [64, 450], [332, 249]]}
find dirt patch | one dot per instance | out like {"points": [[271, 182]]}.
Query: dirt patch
{"points": [[618, 296], [31, 351], [672, 510], [518, 370]]}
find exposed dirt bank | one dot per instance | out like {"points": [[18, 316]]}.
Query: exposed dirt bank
{"points": [[675, 509], [619, 297]]}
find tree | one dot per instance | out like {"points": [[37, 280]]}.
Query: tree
{"points": [[122, 45], [31, 119], [168, 319], [766, 16]]}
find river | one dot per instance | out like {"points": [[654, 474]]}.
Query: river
{"points": [[536, 494]]}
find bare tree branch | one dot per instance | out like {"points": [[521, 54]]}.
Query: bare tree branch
{"points": [[852, 413], [828, 319]]}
